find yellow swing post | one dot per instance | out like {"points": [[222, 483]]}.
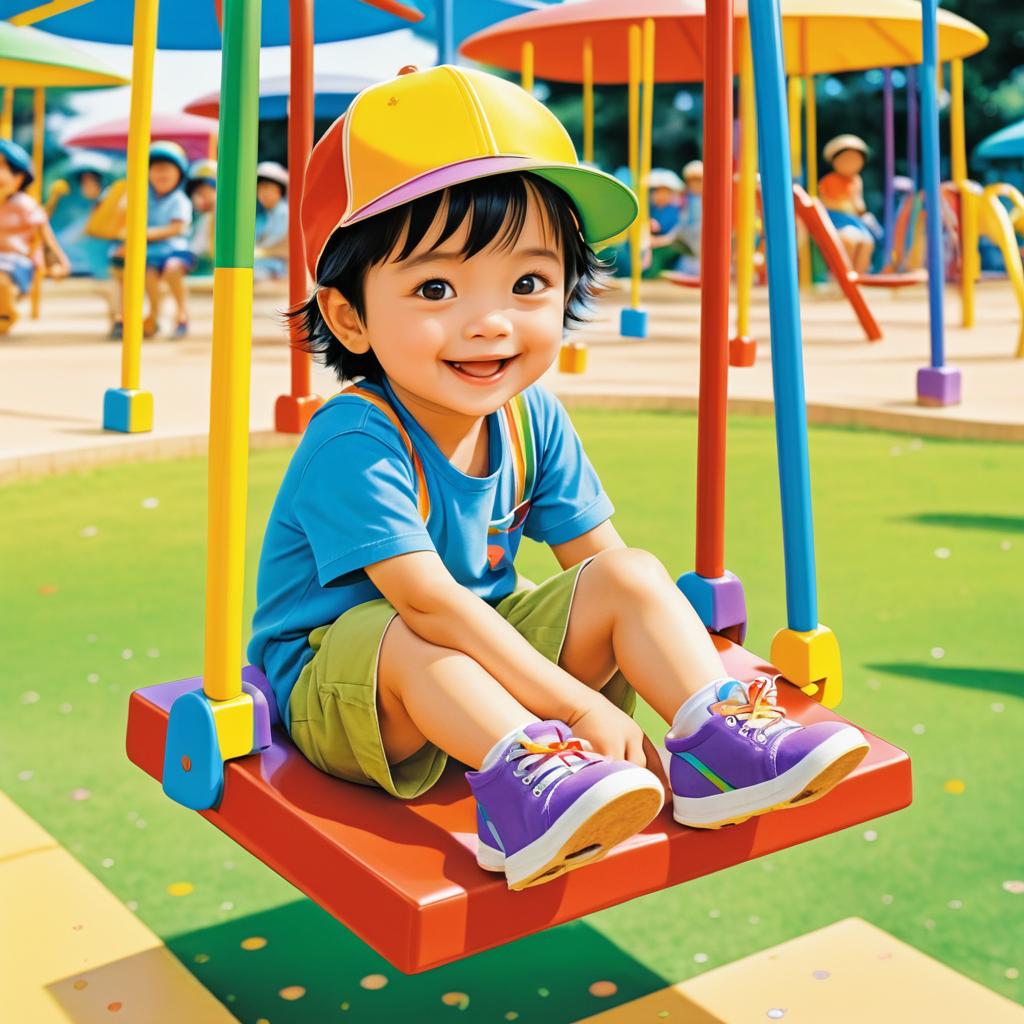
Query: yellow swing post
{"points": [[572, 356], [7, 114], [743, 348], [128, 409], [633, 320], [38, 141], [970, 259], [588, 100], [526, 67]]}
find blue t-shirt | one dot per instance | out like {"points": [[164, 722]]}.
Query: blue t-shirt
{"points": [[349, 499], [163, 210]]}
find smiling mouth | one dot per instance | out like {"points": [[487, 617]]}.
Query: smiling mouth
{"points": [[479, 369]]}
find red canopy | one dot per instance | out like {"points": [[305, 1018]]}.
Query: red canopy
{"points": [[192, 133]]}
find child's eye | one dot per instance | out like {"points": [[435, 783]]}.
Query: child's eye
{"points": [[435, 290], [528, 284]]}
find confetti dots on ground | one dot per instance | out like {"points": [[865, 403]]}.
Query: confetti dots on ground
{"points": [[127, 654], [457, 999], [373, 982], [753, 919], [938, 652], [1014, 886], [114, 1007], [132, 905], [887, 899], [253, 942], [292, 992], [942, 553], [998, 707], [227, 905], [955, 904], [603, 989], [88, 531], [107, 862], [1006, 545], [543, 992], [29, 697], [26, 775], [201, 958], [92, 677], [65, 708], [954, 786], [870, 835], [511, 1015], [152, 653], [80, 794], [700, 958], [917, 730], [90, 638], [180, 889], [150, 502], [48, 588], [1012, 973], [80, 984], [821, 975], [775, 1013]]}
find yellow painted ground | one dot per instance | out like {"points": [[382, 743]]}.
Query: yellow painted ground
{"points": [[70, 951], [847, 973]]}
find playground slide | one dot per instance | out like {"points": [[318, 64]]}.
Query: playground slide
{"points": [[813, 216], [996, 225]]}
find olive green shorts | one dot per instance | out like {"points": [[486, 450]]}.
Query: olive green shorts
{"points": [[333, 707]]}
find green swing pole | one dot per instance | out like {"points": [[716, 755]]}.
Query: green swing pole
{"points": [[232, 349]]}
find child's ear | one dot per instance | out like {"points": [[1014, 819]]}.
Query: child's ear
{"points": [[343, 320]]}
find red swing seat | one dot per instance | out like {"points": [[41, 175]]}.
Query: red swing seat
{"points": [[403, 877]]}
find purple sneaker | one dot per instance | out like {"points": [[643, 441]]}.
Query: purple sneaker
{"points": [[739, 756], [547, 806]]}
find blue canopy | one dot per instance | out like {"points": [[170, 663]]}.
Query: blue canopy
{"points": [[1005, 144], [471, 16], [333, 95], [192, 24]]}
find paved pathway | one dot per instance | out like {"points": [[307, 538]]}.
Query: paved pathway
{"points": [[53, 371]]}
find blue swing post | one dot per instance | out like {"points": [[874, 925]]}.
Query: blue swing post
{"points": [[937, 384], [805, 652]]}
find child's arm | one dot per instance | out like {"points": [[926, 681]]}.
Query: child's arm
{"points": [[593, 542], [62, 265], [435, 607], [172, 230]]}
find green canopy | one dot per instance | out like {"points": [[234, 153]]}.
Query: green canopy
{"points": [[32, 59]]}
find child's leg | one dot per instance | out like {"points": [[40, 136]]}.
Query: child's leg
{"points": [[174, 275], [116, 294], [8, 298], [862, 261], [152, 296], [628, 612], [426, 692]]}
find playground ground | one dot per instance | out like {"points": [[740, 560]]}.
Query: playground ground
{"points": [[53, 371], [121, 906]]}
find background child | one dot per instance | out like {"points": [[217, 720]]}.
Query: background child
{"points": [[271, 222], [842, 193], [168, 257], [25, 234], [70, 208], [201, 189], [391, 622]]}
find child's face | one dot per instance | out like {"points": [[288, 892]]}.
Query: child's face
{"points": [[163, 176], [849, 162], [695, 184], [90, 185], [203, 198], [662, 196], [10, 180], [269, 194], [463, 336]]}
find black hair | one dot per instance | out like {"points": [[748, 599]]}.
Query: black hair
{"points": [[193, 183], [496, 207]]}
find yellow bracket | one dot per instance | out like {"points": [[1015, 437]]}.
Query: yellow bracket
{"points": [[234, 721], [810, 660]]}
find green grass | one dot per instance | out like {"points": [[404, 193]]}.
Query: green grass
{"points": [[932, 651]]}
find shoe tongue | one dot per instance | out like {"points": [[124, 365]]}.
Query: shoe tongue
{"points": [[548, 732]]}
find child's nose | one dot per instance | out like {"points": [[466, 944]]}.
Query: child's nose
{"points": [[494, 324]]}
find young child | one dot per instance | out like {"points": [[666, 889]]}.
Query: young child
{"points": [[271, 222], [168, 257], [25, 234], [391, 622], [201, 189], [842, 192]]}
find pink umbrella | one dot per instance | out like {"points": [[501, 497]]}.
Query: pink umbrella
{"points": [[194, 134]]}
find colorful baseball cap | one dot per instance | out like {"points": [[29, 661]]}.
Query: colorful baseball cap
{"points": [[427, 130], [171, 152]]}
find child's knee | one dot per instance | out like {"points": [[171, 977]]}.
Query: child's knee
{"points": [[634, 570]]}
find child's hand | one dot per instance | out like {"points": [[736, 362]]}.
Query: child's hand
{"points": [[609, 731]]}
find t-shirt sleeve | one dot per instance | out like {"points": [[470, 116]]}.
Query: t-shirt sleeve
{"points": [[568, 499], [356, 503], [180, 208]]}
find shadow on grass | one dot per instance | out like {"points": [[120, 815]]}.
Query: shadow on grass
{"points": [[1000, 680], [318, 965], [969, 521]]}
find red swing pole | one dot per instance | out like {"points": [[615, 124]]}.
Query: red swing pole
{"points": [[292, 412], [716, 595]]}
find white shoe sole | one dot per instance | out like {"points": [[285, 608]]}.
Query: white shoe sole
{"points": [[611, 811], [808, 780]]}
